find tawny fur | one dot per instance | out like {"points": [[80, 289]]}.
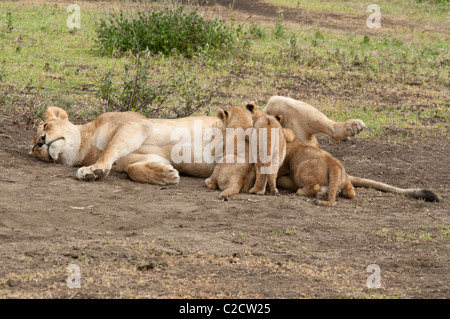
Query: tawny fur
{"points": [[271, 151], [312, 168], [229, 175], [129, 142]]}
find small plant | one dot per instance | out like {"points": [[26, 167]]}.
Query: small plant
{"points": [[319, 35], [9, 21], [279, 30], [366, 39], [256, 31], [425, 236], [3, 73]]}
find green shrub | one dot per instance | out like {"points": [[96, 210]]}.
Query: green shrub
{"points": [[166, 32]]}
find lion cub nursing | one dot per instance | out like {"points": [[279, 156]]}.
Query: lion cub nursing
{"points": [[309, 167], [235, 173], [271, 151]]}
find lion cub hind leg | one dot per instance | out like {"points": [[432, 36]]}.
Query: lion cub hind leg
{"points": [[272, 183], [260, 183], [305, 176], [334, 178], [229, 176], [308, 190], [348, 191], [233, 189]]}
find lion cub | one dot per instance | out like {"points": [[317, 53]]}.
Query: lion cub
{"points": [[234, 173], [311, 168], [271, 151]]}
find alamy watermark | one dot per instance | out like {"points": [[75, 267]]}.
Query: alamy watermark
{"points": [[74, 20], [74, 278], [210, 145], [374, 280], [374, 20]]}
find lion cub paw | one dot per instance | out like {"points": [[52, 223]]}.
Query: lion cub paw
{"points": [[210, 183], [91, 173], [256, 191], [324, 203], [323, 193]]}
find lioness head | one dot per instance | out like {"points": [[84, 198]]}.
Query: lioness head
{"points": [[57, 139], [237, 117]]}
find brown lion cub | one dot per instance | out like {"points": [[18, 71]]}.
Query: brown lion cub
{"points": [[234, 172], [311, 168], [271, 151]]}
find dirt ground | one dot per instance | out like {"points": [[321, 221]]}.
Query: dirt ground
{"points": [[135, 240], [139, 240]]}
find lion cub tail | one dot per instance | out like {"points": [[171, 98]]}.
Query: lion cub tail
{"points": [[424, 194]]}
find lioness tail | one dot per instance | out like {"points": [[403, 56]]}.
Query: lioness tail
{"points": [[424, 194]]}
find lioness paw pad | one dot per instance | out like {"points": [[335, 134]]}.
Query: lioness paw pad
{"points": [[89, 174]]}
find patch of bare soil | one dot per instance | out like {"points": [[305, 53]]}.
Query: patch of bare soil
{"points": [[136, 240], [333, 20]]}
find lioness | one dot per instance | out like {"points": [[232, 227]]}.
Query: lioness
{"points": [[138, 146]]}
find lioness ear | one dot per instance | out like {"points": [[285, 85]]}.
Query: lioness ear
{"points": [[251, 107], [55, 113], [289, 135], [222, 114]]}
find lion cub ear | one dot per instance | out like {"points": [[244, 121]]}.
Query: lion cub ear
{"points": [[56, 113], [251, 107], [289, 135], [279, 118], [222, 114]]}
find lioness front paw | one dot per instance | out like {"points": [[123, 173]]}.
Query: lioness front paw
{"points": [[91, 173]]}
